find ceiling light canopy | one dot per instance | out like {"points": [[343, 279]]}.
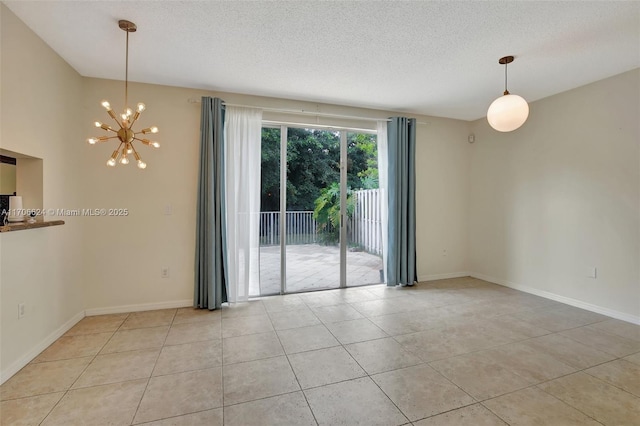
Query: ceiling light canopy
{"points": [[508, 112], [125, 121]]}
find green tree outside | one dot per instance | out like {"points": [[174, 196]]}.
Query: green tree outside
{"points": [[313, 164], [313, 174]]}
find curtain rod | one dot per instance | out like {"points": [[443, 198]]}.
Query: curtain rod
{"points": [[301, 111], [277, 123]]}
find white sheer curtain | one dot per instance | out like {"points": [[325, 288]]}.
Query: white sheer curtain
{"points": [[383, 183], [242, 136]]}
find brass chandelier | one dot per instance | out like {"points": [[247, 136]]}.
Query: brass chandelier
{"points": [[125, 134]]}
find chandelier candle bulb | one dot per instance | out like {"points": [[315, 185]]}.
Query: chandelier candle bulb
{"points": [[153, 129]]}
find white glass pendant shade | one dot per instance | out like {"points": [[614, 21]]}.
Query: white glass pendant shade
{"points": [[507, 113]]}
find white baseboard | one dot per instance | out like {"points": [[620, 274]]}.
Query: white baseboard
{"points": [[562, 299], [55, 335], [442, 276], [35, 351], [140, 307]]}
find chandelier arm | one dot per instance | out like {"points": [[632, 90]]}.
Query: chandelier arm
{"points": [[141, 140], [116, 152], [117, 121], [104, 139], [134, 119], [134, 151]]}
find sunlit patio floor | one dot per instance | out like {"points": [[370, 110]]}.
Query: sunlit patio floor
{"points": [[314, 267]]}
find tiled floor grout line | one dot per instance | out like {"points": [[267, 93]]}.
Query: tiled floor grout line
{"points": [[536, 385], [154, 367], [293, 371], [475, 402], [366, 374], [423, 362], [174, 417], [496, 414], [85, 368], [513, 372], [564, 402]]}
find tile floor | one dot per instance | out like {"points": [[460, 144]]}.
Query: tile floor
{"points": [[451, 352]]}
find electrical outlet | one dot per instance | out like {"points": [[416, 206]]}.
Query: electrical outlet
{"points": [[168, 210], [20, 310], [593, 272], [164, 272], [444, 252]]}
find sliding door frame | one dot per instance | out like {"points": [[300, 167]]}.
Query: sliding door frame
{"points": [[283, 208], [284, 127], [343, 208]]}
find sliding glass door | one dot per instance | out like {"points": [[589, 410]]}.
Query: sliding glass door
{"points": [[364, 224], [319, 223], [270, 265], [312, 210]]}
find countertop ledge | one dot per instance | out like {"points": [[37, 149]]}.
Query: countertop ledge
{"points": [[22, 226]]}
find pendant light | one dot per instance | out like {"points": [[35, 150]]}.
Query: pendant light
{"points": [[125, 134], [508, 112]]}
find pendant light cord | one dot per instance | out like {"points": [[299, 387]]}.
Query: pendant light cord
{"points": [[506, 92], [126, 73]]}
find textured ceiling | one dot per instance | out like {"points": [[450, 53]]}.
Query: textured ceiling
{"points": [[434, 58]]}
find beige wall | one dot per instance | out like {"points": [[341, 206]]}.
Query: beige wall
{"points": [[106, 264], [124, 255], [41, 104], [7, 179], [561, 195]]}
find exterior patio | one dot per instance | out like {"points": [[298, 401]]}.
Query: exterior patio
{"points": [[314, 267]]}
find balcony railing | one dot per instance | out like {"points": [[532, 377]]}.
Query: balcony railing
{"points": [[301, 228], [364, 228]]}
